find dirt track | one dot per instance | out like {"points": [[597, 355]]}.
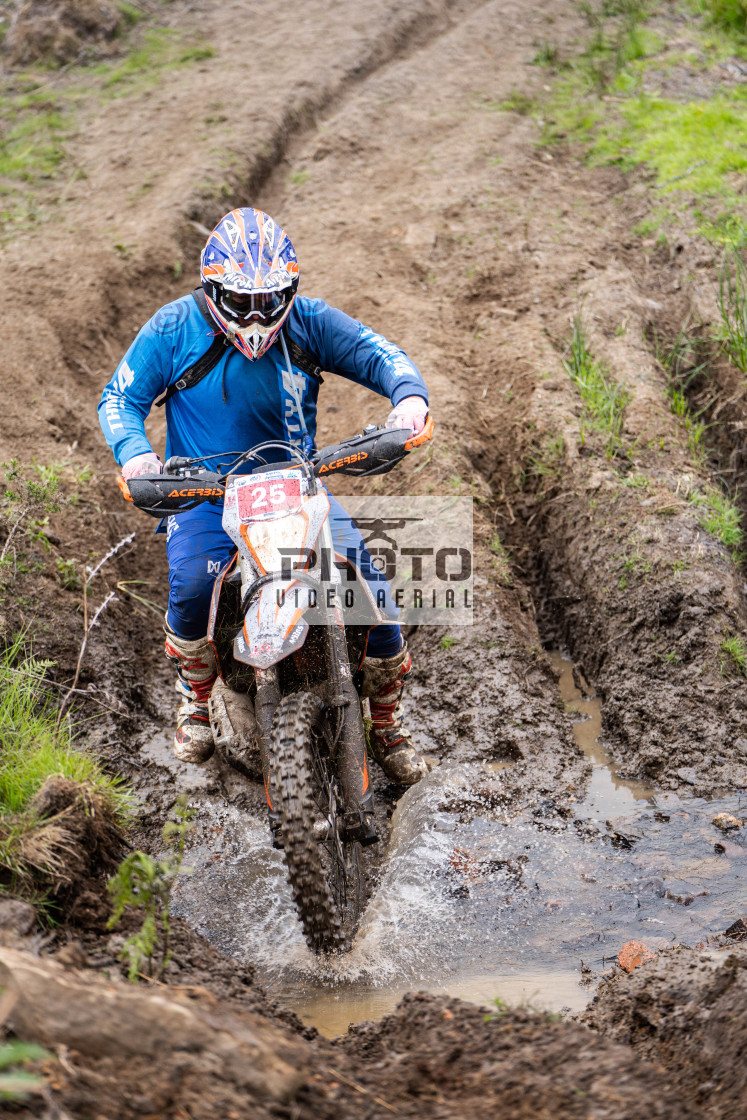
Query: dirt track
{"points": [[420, 206]]}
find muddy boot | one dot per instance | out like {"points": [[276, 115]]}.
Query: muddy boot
{"points": [[197, 670], [389, 742]]}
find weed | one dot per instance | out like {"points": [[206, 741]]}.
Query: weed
{"points": [[25, 506], [547, 460], [731, 15], [131, 13], [547, 54], [635, 563], [68, 570], [299, 177], [33, 745], [637, 481], [670, 658], [517, 102], [719, 516], [447, 643], [501, 1009], [604, 400], [147, 883], [16, 1084], [735, 656], [732, 302]]}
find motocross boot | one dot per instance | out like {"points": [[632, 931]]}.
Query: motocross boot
{"points": [[197, 671], [389, 742]]}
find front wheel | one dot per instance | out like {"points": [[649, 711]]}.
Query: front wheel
{"points": [[323, 869]]}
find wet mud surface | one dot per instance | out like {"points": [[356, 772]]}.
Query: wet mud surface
{"points": [[572, 807]]}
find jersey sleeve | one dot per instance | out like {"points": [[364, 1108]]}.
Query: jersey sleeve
{"points": [[141, 377], [350, 349]]}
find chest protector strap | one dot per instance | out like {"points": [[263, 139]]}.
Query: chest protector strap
{"points": [[209, 360]]}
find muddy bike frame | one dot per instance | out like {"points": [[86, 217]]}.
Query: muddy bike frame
{"points": [[268, 634]]}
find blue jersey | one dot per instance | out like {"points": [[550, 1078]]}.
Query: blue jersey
{"points": [[241, 402]]}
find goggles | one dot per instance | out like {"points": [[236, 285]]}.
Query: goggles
{"points": [[248, 306]]}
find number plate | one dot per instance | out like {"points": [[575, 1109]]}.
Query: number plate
{"points": [[267, 495]]}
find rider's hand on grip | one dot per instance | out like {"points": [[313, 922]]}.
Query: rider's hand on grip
{"points": [[409, 413], [149, 463]]}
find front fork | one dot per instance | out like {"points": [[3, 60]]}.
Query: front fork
{"points": [[342, 697], [350, 751], [265, 706]]}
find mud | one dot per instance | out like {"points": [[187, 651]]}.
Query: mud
{"points": [[420, 205], [684, 1012], [434, 1054], [71, 32]]}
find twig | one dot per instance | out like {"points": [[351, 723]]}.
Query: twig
{"points": [[361, 1089], [122, 586], [63, 688], [13, 532], [87, 628], [91, 572]]}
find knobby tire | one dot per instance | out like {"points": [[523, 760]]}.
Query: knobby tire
{"points": [[324, 874]]}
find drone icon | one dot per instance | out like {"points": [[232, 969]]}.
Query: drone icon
{"points": [[379, 528]]}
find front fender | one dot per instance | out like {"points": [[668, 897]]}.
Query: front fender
{"points": [[274, 626]]}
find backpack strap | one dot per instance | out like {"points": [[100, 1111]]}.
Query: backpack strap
{"points": [[301, 358], [209, 360]]}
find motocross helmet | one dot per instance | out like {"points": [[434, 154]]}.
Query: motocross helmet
{"points": [[249, 273]]}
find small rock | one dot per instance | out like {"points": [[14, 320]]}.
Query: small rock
{"points": [[72, 955], [726, 822], [687, 774], [17, 917], [633, 954], [737, 931]]}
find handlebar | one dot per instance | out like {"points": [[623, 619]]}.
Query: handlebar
{"points": [[186, 483]]}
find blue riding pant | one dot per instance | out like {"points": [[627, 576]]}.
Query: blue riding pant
{"points": [[197, 548]]}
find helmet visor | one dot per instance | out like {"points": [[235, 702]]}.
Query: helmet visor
{"points": [[248, 307]]}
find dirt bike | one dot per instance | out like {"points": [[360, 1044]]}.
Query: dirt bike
{"points": [[288, 691]]}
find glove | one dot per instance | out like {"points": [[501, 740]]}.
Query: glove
{"points": [[411, 413], [149, 463]]}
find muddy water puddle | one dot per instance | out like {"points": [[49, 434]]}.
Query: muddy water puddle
{"points": [[478, 895]]}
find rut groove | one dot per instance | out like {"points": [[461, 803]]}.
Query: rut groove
{"points": [[418, 27]]}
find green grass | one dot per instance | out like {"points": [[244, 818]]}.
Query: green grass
{"points": [[33, 747], [732, 304], [16, 1083], [697, 148], [162, 49], [735, 656], [547, 460], [38, 113], [604, 400], [447, 643], [719, 516], [730, 15]]}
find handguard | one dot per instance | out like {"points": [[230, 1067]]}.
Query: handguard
{"points": [[162, 494], [374, 451]]}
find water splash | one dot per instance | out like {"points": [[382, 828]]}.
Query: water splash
{"points": [[474, 899]]}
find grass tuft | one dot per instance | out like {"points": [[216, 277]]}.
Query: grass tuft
{"points": [[719, 516], [604, 400], [729, 15], [735, 656], [35, 846], [732, 302]]}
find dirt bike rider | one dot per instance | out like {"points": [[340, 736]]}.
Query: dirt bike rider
{"points": [[249, 276]]}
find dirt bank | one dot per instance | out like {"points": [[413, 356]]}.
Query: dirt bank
{"points": [[436, 1054], [685, 1012]]}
